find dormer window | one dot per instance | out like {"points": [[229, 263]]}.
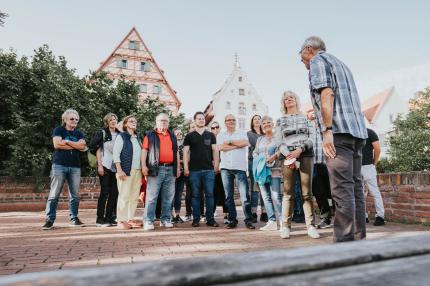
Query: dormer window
{"points": [[133, 45]]}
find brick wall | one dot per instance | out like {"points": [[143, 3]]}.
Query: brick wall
{"points": [[406, 196]]}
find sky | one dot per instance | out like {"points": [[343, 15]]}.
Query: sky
{"points": [[194, 41]]}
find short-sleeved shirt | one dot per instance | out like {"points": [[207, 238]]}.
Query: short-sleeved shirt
{"points": [[236, 159], [200, 150], [368, 158], [166, 147], [326, 71], [68, 158]]}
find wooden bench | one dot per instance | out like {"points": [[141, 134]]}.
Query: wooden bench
{"points": [[395, 261]]}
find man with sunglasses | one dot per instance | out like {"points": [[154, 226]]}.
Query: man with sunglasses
{"points": [[68, 142], [234, 163]]}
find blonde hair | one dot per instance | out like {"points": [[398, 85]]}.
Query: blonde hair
{"points": [[108, 117], [284, 96], [66, 113]]}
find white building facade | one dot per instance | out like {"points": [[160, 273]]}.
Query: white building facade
{"points": [[380, 112], [238, 97]]}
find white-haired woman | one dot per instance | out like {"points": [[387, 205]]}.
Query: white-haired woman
{"points": [[265, 147], [293, 134]]}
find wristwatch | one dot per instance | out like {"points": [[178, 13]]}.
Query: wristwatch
{"points": [[328, 128]]}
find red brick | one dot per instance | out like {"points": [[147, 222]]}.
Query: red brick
{"points": [[423, 214]]}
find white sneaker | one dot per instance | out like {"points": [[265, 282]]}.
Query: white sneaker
{"points": [[270, 226], [313, 233], [166, 224], [284, 232], [148, 226]]}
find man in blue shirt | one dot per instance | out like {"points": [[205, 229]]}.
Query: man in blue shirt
{"points": [[68, 142], [339, 117]]}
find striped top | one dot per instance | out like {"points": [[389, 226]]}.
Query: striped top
{"points": [[326, 71]]}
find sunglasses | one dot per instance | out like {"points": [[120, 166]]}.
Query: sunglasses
{"points": [[215, 127], [74, 119]]}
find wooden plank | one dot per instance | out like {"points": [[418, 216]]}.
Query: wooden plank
{"points": [[234, 268], [409, 271]]}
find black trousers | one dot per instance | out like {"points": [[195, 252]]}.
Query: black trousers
{"points": [[106, 205], [321, 189]]}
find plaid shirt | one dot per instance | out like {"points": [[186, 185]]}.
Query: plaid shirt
{"points": [[318, 150], [326, 71]]}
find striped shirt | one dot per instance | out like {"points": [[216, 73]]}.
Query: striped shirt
{"points": [[326, 71]]}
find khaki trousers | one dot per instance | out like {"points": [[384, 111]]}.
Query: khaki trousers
{"points": [[306, 172], [128, 195]]}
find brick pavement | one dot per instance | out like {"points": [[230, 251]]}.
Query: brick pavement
{"points": [[27, 248]]}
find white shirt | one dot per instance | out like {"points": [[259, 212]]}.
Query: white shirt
{"points": [[236, 159], [107, 152]]}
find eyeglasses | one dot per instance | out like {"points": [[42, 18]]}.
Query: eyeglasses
{"points": [[214, 127], [131, 121], [227, 120], [74, 119]]}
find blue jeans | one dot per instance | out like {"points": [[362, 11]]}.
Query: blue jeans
{"points": [[205, 180], [228, 177], [179, 189], [277, 193], [254, 194], [59, 175], [163, 184]]}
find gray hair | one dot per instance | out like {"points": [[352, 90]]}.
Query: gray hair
{"points": [[161, 115], [66, 113], [287, 93], [267, 118], [314, 42]]}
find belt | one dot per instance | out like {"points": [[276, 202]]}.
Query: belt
{"points": [[166, 164]]}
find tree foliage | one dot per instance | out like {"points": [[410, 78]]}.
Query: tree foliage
{"points": [[410, 142], [35, 93]]}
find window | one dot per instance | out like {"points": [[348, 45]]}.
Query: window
{"points": [[241, 91], [240, 78], [157, 89], [241, 123], [254, 107], [133, 45], [242, 108], [122, 64], [143, 88], [228, 105], [144, 66]]}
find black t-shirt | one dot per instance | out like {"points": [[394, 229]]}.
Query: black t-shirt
{"points": [[68, 158], [200, 150], [368, 149]]}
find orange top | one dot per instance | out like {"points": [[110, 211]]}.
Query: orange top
{"points": [[166, 147]]}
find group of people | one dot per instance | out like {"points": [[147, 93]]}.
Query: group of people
{"points": [[321, 148]]}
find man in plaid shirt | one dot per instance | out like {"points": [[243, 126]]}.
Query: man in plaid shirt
{"points": [[339, 117], [320, 179]]}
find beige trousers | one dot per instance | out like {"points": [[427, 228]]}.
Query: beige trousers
{"points": [[128, 195], [306, 172]]}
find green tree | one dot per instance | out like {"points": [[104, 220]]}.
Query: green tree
{"points": [[410, 142]]}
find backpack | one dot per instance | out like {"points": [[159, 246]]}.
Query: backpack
{"points": [[92, 159]]}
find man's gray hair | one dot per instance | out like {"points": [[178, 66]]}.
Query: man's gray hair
{"points": [[161, 115], [314, 42], [66, 113]]}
